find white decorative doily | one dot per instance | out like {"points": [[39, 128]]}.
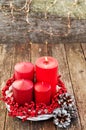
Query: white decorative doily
{"points": [[37, 118]]}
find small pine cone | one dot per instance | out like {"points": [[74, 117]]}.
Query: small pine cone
{"points": [[66, 100], [61, 118], [73, 112]]}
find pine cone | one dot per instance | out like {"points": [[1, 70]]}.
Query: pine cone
{"points": [[61, 118], [66, 100], [73, 112]]}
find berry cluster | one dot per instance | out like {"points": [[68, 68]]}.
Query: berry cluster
{"points": [[62, 106], [32, 109]]}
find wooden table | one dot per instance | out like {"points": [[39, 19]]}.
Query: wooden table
{"points": [[72, 67]]}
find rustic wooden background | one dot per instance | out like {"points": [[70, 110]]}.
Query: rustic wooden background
{"points": [[72, 67], [41, 21], [23, 26]]}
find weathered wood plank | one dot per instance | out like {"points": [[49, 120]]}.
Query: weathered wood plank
{"points": [[84, 49], [6, 58], [77, 69], [38, 50], [71, 70], [57, 27], [22, 53], [54, 29], [2, 106], [58, 51]]}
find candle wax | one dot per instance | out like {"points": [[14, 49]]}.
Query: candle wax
{"points": [[23, 91], [47, 71], [24, 70], [42, 92]]}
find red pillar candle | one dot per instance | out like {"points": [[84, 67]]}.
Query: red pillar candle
{"points": [[24, 70], [23, 91], [42, 91], [47, 71]]}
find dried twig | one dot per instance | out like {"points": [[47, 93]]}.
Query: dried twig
{"points": [[69, 22], [51, 34], [26, 7], [28, 2], [48, 7], [12, 10]]}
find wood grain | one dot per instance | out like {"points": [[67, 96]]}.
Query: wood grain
{"points": [[72, 67], [77, 69], [37, 51], [6, 59], [58, 51], [84, 49], [2, 106], [21, 53]]}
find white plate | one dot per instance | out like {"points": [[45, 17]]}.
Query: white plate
{"points": [[38, 118]]}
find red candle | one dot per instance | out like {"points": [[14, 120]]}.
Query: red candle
{"points": [[24, 70], [47, 71], [23, 91], [42, 91]]}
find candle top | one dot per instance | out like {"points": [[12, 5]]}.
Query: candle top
{"points": [[24, 67], [42, 86], [47, 62], [23, 84]]}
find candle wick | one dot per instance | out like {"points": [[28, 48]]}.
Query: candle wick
{"points": [[46, 59]]}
